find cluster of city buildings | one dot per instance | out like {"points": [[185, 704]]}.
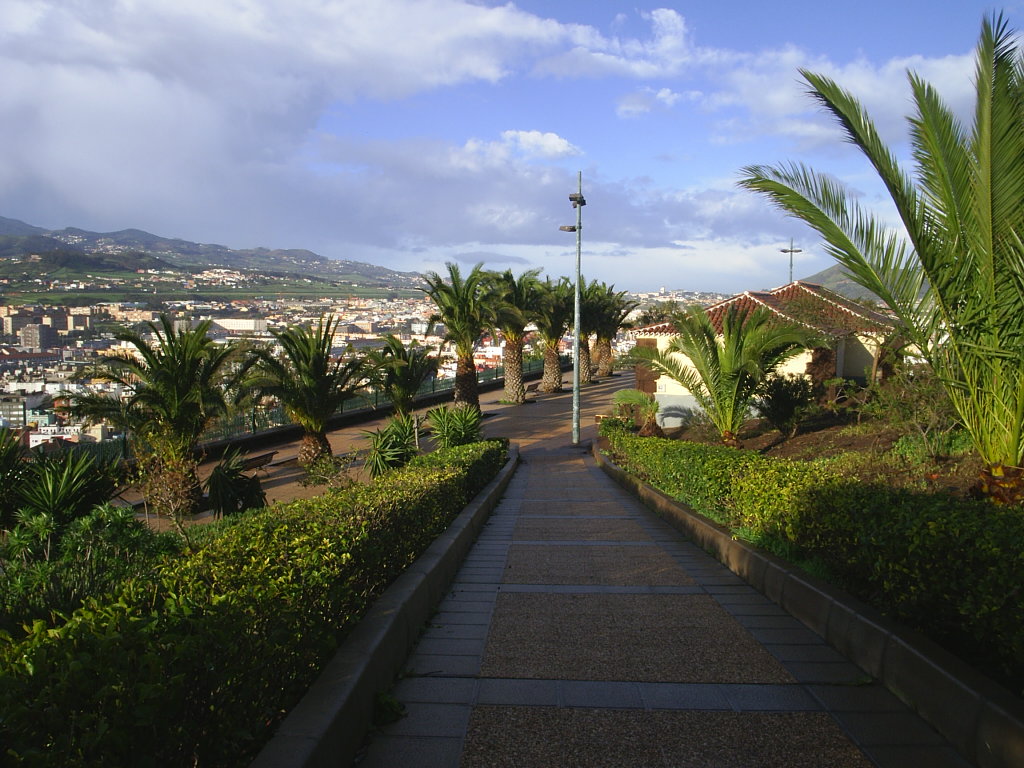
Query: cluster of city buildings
{"points": [[48, 354]]}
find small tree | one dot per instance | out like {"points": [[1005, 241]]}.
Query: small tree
{"points": [[783, 400], [725, 369], [309, 381]]}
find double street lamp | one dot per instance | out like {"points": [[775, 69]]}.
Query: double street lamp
{"points": [[791, 250], [578, 202]]}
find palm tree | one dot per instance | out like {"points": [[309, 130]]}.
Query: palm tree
{"points": [[516, 299], [401, 371], [553, 318], [614, 309], [592, 298], [725, 368], [177, 386], [308, 381], [955, 275], [464, 306]]}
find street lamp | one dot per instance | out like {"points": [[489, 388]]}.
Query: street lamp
{"points": [[791, 250], [578, 202]]}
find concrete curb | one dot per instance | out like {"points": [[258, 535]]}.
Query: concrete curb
{"points": [[327, 727], [982, 720]]}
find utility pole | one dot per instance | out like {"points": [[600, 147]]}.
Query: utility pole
{"points": [[791, 250]]}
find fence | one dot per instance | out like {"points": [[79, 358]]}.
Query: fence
{"points": [[261, 419]]}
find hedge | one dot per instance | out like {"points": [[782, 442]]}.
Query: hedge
{"points": [[198, 665], [949, 567]]}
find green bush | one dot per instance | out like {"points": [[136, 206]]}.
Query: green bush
{"points": [[479, 461], [948, 567], [455, 425], [782, 400], [196, 663], [613, 424], [700, 476], [391, 447]]}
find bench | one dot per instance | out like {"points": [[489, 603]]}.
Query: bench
{"points": [[259, 461]]}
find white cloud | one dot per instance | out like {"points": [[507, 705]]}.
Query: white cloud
{"points": [[538, 144], [646, 99]]}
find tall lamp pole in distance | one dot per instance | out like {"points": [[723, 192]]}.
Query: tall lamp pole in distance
{"points": [[578, 202], [791, 250]]}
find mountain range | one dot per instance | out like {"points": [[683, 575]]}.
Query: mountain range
{"points": [[131, 249], [136, 249]]}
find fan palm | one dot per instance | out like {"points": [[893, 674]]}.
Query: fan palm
{"points": [[955, 275], [465, 307], [516, 298], [553, 317], [725, 368], [176, 387], [309, 382]]}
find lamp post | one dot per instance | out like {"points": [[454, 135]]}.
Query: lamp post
{"points": [[578, 202], [791, 250]]}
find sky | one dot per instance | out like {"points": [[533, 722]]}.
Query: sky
{"points": [[412, 133]]}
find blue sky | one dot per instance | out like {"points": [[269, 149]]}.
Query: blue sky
{"points": [[409, 133]]}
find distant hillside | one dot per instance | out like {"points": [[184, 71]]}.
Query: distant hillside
{"points": [[835, 278], [136, 249]]}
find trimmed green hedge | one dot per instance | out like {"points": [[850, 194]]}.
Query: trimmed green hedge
{"points": [[951, 568], [199, 665]]}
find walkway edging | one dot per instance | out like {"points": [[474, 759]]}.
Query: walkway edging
{"points": [[328, 725], [982, 720]]}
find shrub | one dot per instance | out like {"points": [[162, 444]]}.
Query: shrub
{"points": [[948, 567], [613, 424], [701, 476], [93, 556], [640, 408], [783, 400], [456, 425], [196, 663], [480, 462], [230, 490], [391, 447]]}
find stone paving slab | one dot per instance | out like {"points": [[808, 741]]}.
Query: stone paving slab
{"points": [[611, 565], [582, 529], [558, 507], [670, 638], [594, 738]]}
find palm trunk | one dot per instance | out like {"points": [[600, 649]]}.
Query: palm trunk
{"points": [[1001, 485], [314, 447], [596, 358], [515, 392], [465, 383], [586, 372], [607, 358], [551, 381]]}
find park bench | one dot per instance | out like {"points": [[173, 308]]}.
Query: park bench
{"points": [[259, 461]]}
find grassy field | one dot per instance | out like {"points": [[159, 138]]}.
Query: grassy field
{"points": [[282, 290]]}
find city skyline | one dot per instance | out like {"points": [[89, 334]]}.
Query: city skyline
{"points": [[408, 134]]}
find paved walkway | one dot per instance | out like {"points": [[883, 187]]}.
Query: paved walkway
{"points": [[583, 631]]}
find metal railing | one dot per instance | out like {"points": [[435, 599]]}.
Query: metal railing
{"points": [[244, 423]]}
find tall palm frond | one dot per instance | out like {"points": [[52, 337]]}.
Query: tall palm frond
{"points": [[464, 306], [309, 381], [954, 272], [554, 313], [400, 371], [515, 302]]}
